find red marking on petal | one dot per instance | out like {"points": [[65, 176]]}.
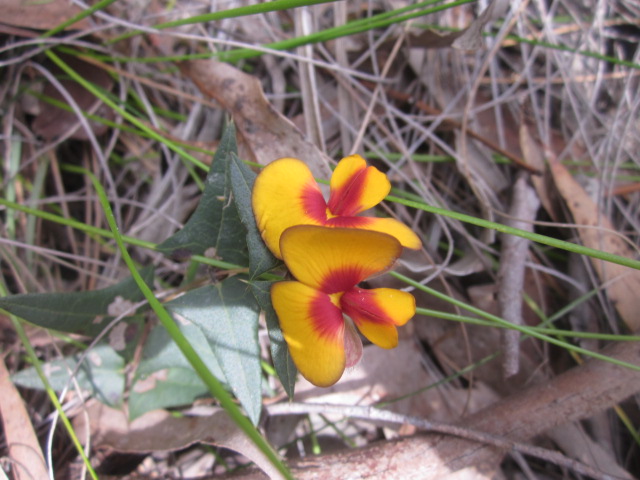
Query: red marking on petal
{"points": [[342, 279], [358, 302], [326, 317], [346, 201], [348, 222], [313, 203]]}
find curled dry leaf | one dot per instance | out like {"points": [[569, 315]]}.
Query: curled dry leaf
{"points": [[158, 430], [532, 155], [622, 283], [386, 375], [468, 38], [53, 122], [267, 134], [41, 15], [526, 414], [21, 440]]}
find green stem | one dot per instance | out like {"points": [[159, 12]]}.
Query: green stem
{"points": [[544, 330], [101, 232], [107, 101], [35, 361], [84, 14], [534, 237], [255, 9], [215, 387], [503, 323]]}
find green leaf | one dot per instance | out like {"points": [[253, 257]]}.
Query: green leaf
{"points": [[215, 222], [228, 316], [156, 374], [167, 388], [86, 313], [242, 179], [101, 373], [282, 362], [160, 351]]}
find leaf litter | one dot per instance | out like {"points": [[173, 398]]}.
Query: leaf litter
{"points": [[580, 117]]}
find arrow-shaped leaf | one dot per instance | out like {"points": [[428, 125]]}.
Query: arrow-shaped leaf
{"points": [[242, 178], [167, 388], [227, 314], [76, 312], [101, 373], [164, 377], [282, 362], [215, 222]]}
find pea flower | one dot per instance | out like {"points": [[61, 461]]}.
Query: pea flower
{"points": [[328, 264], [285, 194]]}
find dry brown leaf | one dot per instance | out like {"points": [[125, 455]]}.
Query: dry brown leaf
{"points": [[457, 346], [577, 443], [53, 122], [268, 134], [472, 38], [622, 283], [383, 375], [158, 430], [469, 38], [532, 155], [22, 444], [528, 413], [41, 15]]}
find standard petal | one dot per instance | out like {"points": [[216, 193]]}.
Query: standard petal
{"points": [[286, 194], [393, 227], [336, 259], [377, 312], [356, 187], [313, 328]]}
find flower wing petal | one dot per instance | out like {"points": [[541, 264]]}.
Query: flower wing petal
{"points": [[336, 259], [356, 187], [313, 328], [393, 227], [377, 312], [286, 194]]}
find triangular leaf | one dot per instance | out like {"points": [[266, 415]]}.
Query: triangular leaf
{"points": [[228, 316], [76, 312], [160, 351], [215, 222], [164, 377], [242, 178], [101, 373], [172, 387], [282, 362]]}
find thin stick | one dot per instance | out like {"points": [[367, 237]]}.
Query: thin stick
{"points": [[511, 273]]}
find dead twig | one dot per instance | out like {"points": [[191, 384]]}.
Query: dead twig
{"points": [[519, 417], [512, 269], [453, 124]]}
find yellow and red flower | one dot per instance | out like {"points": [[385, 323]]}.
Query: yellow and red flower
{"points": [[328, 264], [285, 194]]}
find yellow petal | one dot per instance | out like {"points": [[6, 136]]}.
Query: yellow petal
{"points": [[313, 328], [336, 259], [356, 187], [393, 227], [377, 312], [286, 194]]}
